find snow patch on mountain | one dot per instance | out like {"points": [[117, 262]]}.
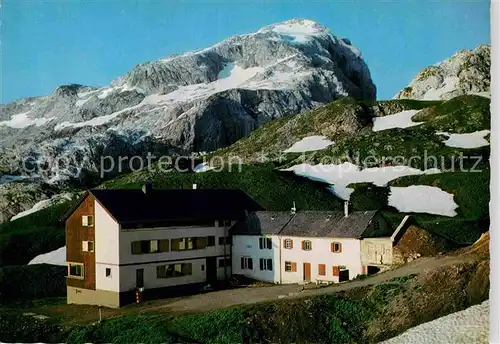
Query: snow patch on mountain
{"points": [[42, 205], [340, 176], [468, 140], [21, 120], [422, 199], [398, 120], [56, 257], [309, 143]]}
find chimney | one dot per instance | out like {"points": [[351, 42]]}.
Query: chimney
{"points": [[195, 186], [294, 209], [346, 208], [147, 187]]}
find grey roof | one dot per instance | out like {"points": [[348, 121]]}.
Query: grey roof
{"points": [[263, 222], [308, 224]]}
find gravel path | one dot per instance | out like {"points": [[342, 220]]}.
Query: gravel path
{"points": [[227, 298], [470, 326]]}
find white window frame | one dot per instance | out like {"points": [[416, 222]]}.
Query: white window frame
{"points": [[85, 246], [88, 220], [306, 244], [76, 276], [288, 244]]}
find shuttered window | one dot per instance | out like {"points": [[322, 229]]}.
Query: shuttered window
{"points": [[290, 267], [322, 269], [174, 270], [288, 243], [306, 245], [336, 271], [265, 243], [246, 263], [265, 264], [336, 247]]}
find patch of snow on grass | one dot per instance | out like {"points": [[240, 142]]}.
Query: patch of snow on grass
{"points": [[42, 205], [422, 199], [203, 167], [309, 143], [340, 176], [21, 120], [57, 257], [468, 326], [469, 140], [398, 120]]}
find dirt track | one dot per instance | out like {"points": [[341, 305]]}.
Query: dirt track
{"points": [[227, 298]]}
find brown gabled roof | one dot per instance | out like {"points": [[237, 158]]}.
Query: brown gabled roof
{"points": [[133, 206], [308, 224]]}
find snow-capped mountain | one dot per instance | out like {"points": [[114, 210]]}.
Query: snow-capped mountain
{"points": [[197, 101], [466, 72]]}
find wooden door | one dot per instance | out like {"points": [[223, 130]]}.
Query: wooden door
{"points": [[211, 269], [307, 271]]}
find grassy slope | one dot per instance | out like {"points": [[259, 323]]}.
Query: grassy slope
{"points": [[273, 189], [25, 238], [281, 133]]}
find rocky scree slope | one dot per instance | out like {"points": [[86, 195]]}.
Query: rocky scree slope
{"points": [[466, 72], [198, 101]]}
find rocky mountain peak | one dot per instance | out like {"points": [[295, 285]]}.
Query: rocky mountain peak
{"points": [[196, 101], [466, 72]]}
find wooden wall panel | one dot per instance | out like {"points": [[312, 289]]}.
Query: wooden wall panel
{"points": [[75, 235]]}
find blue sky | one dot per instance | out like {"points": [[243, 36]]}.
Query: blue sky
{"points": [[50, 43]]}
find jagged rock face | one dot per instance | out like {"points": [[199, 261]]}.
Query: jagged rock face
{"points": [[466, 72], [198, 101]]}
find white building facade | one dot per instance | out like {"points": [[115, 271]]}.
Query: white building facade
{"points": [[307, 247]]}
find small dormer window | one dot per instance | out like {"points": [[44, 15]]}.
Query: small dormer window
{"points": [[87, 220]]}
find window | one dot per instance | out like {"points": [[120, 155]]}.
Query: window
{"points": [[225, 240], [307, 245], [174, 270], [149, 246], [336, 247], [246, 263], [87, 246], [321, 269], [87, 220], [288, 243], [75, 270], [290, 267], [224, 262], [211, 241], [108, 272], [336, 270], [265, 243], [266, 264], [203, 268], [191, 243]]}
